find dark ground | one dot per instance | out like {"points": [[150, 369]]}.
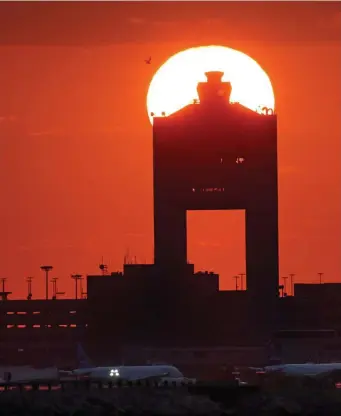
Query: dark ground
{"points": [[288, 397]]}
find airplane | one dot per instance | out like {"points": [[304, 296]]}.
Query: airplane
{"points": [[28, 374], [157, 373], [304, 370], [148, 61]]}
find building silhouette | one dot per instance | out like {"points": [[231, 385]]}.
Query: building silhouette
{"points": [[209, 155], [219, 156], [41, 332]]}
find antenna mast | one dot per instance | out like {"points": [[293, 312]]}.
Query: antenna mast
{"points": [[127, 257]]}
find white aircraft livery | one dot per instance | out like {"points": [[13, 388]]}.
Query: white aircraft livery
{"points": [[308, 369], [299, 370], [158, 373], [28, 374]]}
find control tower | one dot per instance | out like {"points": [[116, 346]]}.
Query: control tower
{"points": [[217, 155]]}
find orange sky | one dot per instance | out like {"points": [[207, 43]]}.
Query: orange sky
{"points": [[76, 143]]}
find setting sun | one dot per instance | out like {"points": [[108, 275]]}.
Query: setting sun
{"points": [[174, 84]]}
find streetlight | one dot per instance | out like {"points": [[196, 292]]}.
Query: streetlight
{"points": [[81, 287], [3, 281], [242, 280], [46, 269], [292, 283], [285, 284], [320, 274], [54, 287], [236, 277], [76, 277], [29, 287], [281, 289]]}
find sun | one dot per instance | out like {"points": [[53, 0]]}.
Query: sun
{"points": [[174, 84]]}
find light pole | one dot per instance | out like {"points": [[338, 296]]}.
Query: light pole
{"points": [[292, 275], [236, 277], [46, 269], [320, 274], [3, 281], [54, 287], [285, 284], [281, 288], [76, 277], [81, 286], [242, 280]]}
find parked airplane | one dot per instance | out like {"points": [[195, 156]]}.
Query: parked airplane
{"points": [[28, 374], [159, 373], [308, 369]]}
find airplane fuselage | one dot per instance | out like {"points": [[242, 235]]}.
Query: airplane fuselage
{"points": [[129, 373], [308, 369]]}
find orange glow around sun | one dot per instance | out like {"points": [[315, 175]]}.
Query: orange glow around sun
{"points": [[174, 84]]}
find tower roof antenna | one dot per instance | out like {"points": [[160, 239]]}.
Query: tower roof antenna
{"points": [[127, 259]]}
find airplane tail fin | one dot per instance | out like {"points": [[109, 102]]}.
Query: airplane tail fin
{"points": [[82, 359]]}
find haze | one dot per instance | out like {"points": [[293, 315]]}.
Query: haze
{"points": [[76, 143]]}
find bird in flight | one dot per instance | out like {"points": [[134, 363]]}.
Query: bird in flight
{"points": [[148, 61]]}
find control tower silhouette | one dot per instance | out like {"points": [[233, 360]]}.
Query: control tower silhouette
{"points": [[217, 155], [210, 155]]}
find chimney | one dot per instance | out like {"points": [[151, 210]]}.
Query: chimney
{"points": [[214, 91]]}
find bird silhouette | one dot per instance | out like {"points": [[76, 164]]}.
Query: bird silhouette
{"points": [[148, 61]]}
